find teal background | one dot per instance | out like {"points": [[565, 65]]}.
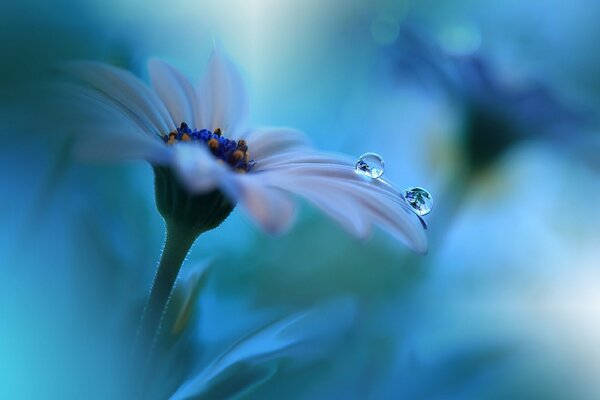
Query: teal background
{"points": [[504, 305]]}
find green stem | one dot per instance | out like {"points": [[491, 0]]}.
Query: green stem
{"points": [[177, 245]]}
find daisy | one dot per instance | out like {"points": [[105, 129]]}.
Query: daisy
{"points": [[207, 159], [198, 139]]}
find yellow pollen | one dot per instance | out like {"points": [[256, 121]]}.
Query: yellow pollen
{"points": [[237, 155], [218, 132], [213, 144], [185, 137]]}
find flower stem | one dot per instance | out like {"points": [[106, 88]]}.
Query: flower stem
{"points": [[177, 245]]}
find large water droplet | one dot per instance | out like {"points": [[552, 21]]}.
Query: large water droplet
{"points": [[419, 199], [371, 165]]}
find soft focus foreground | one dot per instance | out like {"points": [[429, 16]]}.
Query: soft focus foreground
{"points": [[491, 107]]}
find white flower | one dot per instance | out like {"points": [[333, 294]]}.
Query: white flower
{"points": [[119, 117]]}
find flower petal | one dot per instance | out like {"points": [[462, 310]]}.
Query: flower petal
{"points": [[197, 168], [222, 95], [336, 205], [101, 130], [116, 146], [360, 202], [125, 91], [267, 142], [270, 207], [300, 156], [176, 92]]}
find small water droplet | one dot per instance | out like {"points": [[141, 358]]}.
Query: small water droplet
{"points": [[371, 165], [419, 199]]}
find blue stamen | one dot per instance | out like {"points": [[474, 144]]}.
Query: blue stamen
{"points": [[221, 147]]}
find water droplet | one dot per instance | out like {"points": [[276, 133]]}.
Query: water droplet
{"points": [[419, 199], [371, 165]]}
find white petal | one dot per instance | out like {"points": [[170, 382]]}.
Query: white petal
{"points": [[80, 108], [263, 143], [336, 205], [372, 202], [176, 92], [222, 95], [125, 91], [270, 207], [300, 156], [380, 209], [116, 146], [101, 130], [198, 168]]}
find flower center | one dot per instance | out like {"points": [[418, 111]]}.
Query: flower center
{"points": [[235, 153]]}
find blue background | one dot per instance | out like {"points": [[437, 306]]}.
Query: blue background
{"points": [[506, 303]]}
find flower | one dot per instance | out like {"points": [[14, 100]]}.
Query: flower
{"points": [[497, 113], [207, 158]]}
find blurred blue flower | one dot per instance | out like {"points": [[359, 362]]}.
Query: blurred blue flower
{"points": [[496, 113]]}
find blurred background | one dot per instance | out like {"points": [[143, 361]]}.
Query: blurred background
{"points": [[491, 106]]}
